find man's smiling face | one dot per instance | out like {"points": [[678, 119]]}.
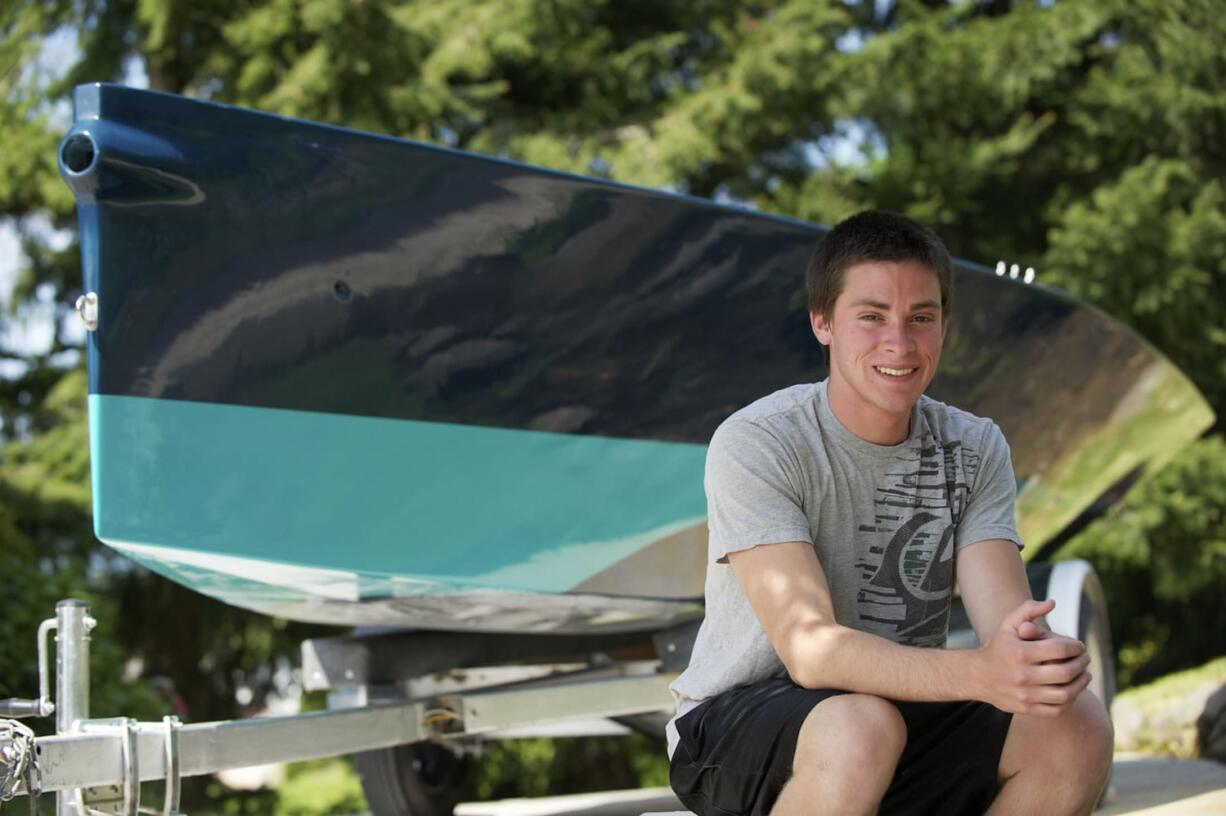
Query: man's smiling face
{"points": [[885, 334]]}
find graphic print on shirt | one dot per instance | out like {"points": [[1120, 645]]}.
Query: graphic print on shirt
{"points": [[907, 553]]}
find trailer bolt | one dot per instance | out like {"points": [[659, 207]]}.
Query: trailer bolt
{"points": [[87, 309]]}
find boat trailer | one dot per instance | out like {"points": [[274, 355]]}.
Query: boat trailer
{"points": [[97, 765]]}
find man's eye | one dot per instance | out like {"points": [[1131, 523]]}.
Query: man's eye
{"points": [[924, 319], [870, 317]]}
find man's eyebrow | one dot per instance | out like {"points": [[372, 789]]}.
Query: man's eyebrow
{"points": [[876, 304]]}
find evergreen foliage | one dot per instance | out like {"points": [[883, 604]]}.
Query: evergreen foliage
{"points": [[1161, 554], [1084, 137]]}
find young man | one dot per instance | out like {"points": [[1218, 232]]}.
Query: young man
{"points": [[839, 514]]}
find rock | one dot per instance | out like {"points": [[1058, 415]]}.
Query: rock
{"points": [[1128, 721], [1211, 727]]}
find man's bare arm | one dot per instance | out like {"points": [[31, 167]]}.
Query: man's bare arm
{"points": [[789, 594], [992, 583]]}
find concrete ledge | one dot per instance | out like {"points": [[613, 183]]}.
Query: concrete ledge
{"points": [[1141, 786], [658, 801]]}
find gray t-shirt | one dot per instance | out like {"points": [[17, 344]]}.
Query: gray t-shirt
{"points": [[885, 521]]}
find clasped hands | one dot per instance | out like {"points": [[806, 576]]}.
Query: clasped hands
{"points": [[1026, 669]]}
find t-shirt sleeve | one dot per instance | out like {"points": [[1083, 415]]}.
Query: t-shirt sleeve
{"points": [[754, 490], [990, 511]]}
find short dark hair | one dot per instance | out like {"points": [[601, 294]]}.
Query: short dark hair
{"points": [[874, 235]]}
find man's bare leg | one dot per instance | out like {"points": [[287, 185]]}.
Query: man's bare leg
{"points": [[1056, 765], [845, 757]]}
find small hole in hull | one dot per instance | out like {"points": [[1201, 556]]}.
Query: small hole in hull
{"points": [[342, 291]]}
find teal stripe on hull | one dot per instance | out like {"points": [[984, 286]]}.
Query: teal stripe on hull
{"points": [[450, 505]]}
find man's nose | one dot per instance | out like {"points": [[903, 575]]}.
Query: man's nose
{"points": [[899, 337]]}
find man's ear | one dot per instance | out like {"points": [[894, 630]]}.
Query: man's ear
{"points": [[821, 327]]}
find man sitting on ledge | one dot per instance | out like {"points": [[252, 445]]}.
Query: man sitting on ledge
{"points": [[840, 513]]}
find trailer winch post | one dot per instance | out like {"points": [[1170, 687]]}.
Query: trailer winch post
{"points": [[72, 624]]}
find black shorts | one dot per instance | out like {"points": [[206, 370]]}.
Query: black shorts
{"points": [[735, 752]]}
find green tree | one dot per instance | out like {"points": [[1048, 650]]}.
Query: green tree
{"points": [[47, 554], [1162, 556], [1083, 137]]}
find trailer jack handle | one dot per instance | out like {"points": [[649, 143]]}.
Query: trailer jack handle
{"points": [[18, 754], [42, 707]]}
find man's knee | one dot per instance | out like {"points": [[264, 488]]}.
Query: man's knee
{"points": [[853, 732], [1082, 736], [1073, 750], [1089, 734]]}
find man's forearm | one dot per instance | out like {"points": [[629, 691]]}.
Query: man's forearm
{"points": [[1025, 676], [1013, 668], [834, 656]]}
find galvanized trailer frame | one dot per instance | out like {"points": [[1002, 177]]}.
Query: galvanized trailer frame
{"points": [[100, 763]]}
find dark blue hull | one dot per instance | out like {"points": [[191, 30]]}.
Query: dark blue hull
{"points": [[247, 265]]}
